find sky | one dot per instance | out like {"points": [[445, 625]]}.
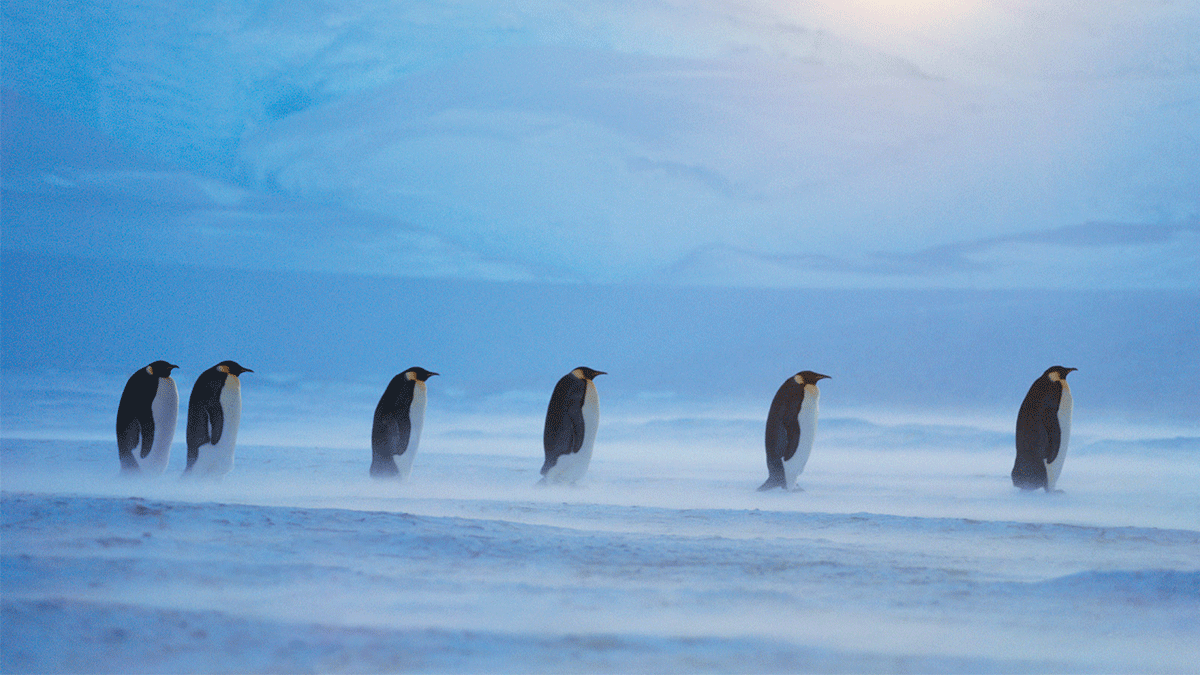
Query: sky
{"points": [[930, 202], [868, 144]]}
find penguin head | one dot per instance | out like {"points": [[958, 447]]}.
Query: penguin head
{"points": [[418, 374], [1057, 373], [585, 373], [160, 369], [809, 377], [232, 368]]}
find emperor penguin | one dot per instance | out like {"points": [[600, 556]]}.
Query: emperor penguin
{"points": [[1043, 429], [399, 417], [571, 421], [214, 411], [791, 427], [147, 413]]}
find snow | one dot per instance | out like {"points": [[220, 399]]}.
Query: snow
{"points": [[922, 560]]}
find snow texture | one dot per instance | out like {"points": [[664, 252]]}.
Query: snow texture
{"points": [[914, 560]]}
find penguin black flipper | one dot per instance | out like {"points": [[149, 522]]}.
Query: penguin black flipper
{"points": [[216, 420], [146, 422], [389, 438], [781, 441], [1053, 432], [128, 433], [197, 433], [563, 434], [791, 433]]}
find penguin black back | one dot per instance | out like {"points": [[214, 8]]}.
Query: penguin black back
{"points": [[392, 426], [135, 418], [1039, 433]]}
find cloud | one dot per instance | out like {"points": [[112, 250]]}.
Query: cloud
{"points": [[1092, 255], [812, 144]]}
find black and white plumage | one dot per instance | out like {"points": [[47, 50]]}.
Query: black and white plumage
{"points": [[1043, 430], [791, 428], [214, 413], [571, 421], [399, 417], [147, 415]]}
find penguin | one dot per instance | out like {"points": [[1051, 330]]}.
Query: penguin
{"points": [[571, 421], [214, 410], [399, 417], [791, 426], [147, 413], [1043, 429]]}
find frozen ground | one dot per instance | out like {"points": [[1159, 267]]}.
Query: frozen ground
{"points": [[908, 551]]}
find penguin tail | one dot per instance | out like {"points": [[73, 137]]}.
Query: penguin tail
{"points": [[384, 468], [772, 483], [1028, 480]]}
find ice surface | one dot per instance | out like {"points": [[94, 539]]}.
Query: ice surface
{"points": [[663, 559]]}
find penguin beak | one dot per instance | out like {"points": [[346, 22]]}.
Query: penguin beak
{"points": [[822, 377]]}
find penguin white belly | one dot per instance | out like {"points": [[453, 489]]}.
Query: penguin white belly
{"points": [[570, 468], [216, 459], [416, 419], [165, 410], [792, 468], [1065, 407]]}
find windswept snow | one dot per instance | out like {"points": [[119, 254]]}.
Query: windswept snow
{"points": [[298, 561]]}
